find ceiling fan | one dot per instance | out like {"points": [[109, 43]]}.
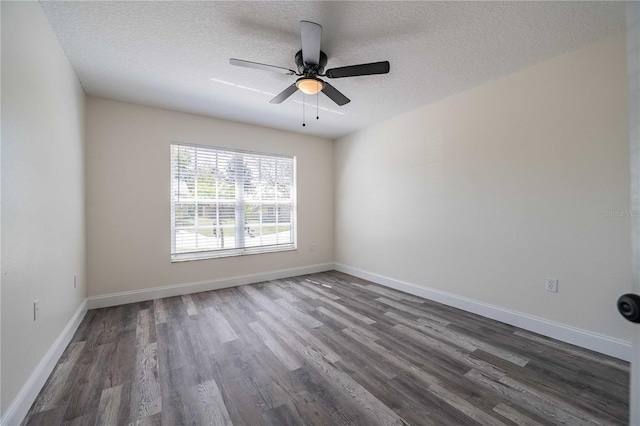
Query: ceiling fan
{"points": [[310, 62]]}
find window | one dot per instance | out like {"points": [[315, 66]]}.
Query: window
{"points": [[227, 202]]}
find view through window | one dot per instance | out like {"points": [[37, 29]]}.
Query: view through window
{"points": [[227, 202]]}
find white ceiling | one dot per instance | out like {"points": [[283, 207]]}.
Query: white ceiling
{"points": [[166, 54]]}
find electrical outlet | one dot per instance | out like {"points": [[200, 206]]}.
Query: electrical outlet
{"points": [[313, 248], [551, 284], [36, 309], [75, 281]]}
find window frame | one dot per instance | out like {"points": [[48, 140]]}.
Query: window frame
{"points": [[231, 252]]}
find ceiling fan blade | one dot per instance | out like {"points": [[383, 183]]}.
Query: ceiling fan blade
{"points": [[311, 34], [284, 94], [334, 94], [256, 65], [362, 69]]}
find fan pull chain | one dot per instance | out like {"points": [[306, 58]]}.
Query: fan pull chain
{"points": [[317, 115], [303, 124]]}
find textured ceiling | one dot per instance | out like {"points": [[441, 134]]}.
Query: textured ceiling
{"points": [[176, 54]]}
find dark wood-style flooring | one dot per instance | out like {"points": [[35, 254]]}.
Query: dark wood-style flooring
{"points": [[321, 349]]}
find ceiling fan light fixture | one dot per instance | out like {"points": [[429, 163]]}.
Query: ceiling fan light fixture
{"points": [[310, 85]]}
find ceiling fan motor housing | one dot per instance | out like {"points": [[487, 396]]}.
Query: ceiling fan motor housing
{"points": [[313, 69]]}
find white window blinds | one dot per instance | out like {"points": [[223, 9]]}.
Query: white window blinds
{"points": [[226, 202]]}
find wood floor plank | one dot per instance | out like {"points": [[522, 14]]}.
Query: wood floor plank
{"points": [[540, 405], [155, 420], [320, 349], [452, 352], [119, 369], [319, 288], [354, 354], [300, 316], [104, 328], [84, 395], [346, 323], [412, 310], [283, 290], [391, 294], [212, 403], [574, 350], [391, 358], [464, 406], [77, 421], [221, 326], [373, 408], [312, 340], [306, 292], [159, 310], [515, 416], [347, 310], [288, 360], [264, 301], [401, 320], [143, 328], [280, 416], [424, 408], [146, 398], [190, 305], [45, 418], [424, 358], [56, 388], [586, 390], [249, 400], [477, 343], [109, 406]]}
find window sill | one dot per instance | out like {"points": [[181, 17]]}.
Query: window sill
{"points": [[188, 257]]}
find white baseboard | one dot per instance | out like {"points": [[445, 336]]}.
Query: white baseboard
{"points": [[617, 348], [27, 395], [134, 296]]}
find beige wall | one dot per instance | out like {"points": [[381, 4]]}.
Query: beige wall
{"points": [[128, 205], [43, 238], [486, 193]]}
